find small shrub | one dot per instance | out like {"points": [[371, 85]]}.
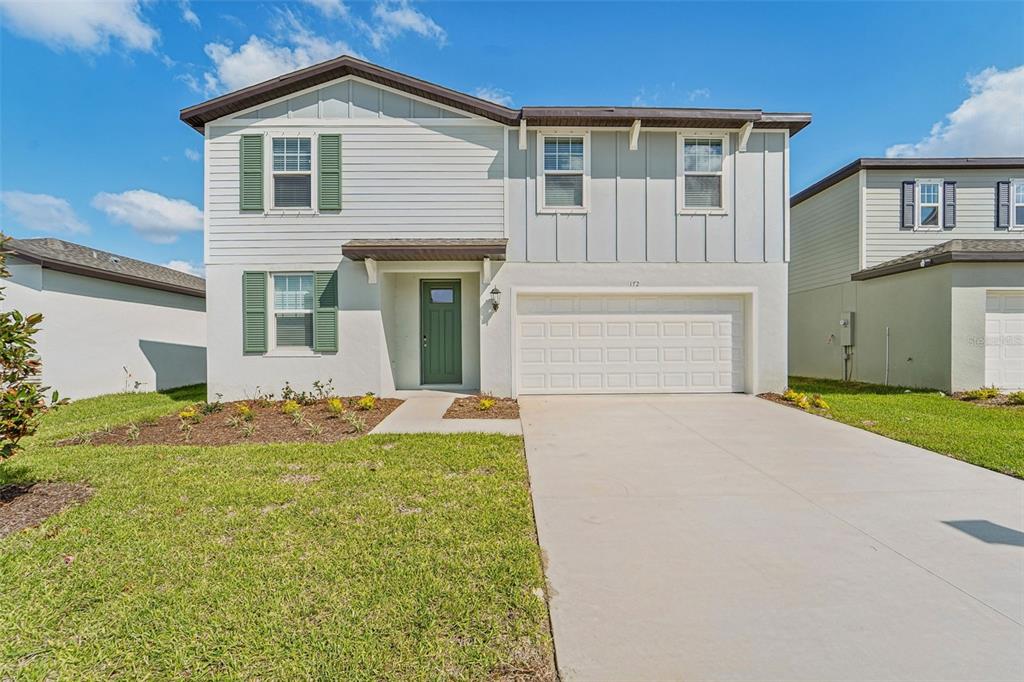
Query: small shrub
{"points": [[262, 399], [248, 429], [357, 423], [290, 407], [212, 407], [297, 418], [799, 399], [132, 431], [190, 415], [234, 421], [485, 403], [818, 402], [335, 406], [323, 390], [367, 402], [186, 429], [314, 430], [1015, 398], [244, 412], [981, 393], [301, 397]]}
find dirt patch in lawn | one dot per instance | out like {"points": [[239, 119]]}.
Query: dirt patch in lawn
{"points": [[469, 408], [997, 400], [249, 421], [24, 506]]}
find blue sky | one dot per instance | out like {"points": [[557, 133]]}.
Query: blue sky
{"points": [[93, 151]]}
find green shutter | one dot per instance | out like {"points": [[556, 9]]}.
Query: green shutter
{"points": [[325, 316], [329, 187], [250, 172], [254, 312]]}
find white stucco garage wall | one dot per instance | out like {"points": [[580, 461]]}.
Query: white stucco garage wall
{"points": [[94, 330]]}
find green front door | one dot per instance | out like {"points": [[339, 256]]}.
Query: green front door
{"points": [[440, 332]]}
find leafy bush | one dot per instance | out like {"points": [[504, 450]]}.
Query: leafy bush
{"points": [[981, 393], [323, 390], [301, 397], [799, 399], [355, 421], [22, 400], [290, 407], [314, 430], [190, 415], [1016, 398], [819, 402], [336, 406], [485, 403], [244, 412], [212, 407], [367, 402]]}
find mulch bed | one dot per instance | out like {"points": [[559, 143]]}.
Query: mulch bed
{"points": [[268, 424], [1001, 400], [777, 398], [469, 408], [25, 506]]}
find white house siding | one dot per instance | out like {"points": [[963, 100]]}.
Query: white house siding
{"points": [[826, 237], [975, 211], [633, 216], [94, 330]]}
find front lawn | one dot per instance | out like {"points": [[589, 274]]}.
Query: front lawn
{"points": [[992, 437], [382, 557]]}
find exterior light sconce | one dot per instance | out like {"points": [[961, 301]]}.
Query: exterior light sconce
{"points": [[495, 298]]}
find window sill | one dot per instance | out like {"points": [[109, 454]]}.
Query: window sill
{"points": [[576, 210], [928, 229], [292, 353], [703, 211], [290, 211]]}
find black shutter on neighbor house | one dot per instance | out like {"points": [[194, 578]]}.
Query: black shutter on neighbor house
{"points": [[1003, 204], [949, 204], [907, 205]]}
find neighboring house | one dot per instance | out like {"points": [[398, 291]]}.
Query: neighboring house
{"points": [[110, 323], [911, 272], [387, 233]]}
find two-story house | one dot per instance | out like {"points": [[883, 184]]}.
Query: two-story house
{"points": [[387, 233], [911, 272]]}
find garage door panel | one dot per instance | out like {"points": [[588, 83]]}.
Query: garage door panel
{"points": [[611, 344], [1004, 340]]}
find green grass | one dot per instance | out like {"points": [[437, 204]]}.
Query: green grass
{"points": [[408, 557], [991, 437]]}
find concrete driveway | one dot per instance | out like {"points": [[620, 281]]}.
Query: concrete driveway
{"points": [[728, 538]]}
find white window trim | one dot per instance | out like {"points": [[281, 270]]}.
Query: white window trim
{"points": [[1014, 184], [918, 227], [681, 173], [563, 132], [272, 347], [269, 173]]}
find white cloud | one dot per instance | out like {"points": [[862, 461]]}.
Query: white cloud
{"points": [[392, 18], [188, 267], [333, 9], [698, 93], [259, 59], [187, 15], [41, 213], [87, 26], [192, 154], [988, 123], [493, 94], [155, 217]]}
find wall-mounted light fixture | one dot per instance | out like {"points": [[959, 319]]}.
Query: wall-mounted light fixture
{"points": [[495, 298]]}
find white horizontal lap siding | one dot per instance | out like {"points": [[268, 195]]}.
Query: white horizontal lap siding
{"points": [[975, 211], [400, 181], [825, 238]]}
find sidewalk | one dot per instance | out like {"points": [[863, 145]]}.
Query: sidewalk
{"points": [[422, 413]]}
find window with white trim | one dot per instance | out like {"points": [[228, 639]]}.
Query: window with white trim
{"points": [[929, 204], [293, 172], [563, 172], [292, 307], [702, 173], [1017, 204]]}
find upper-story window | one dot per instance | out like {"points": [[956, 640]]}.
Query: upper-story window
{"points": [[293, 172], [1017, 209], [702, 161], [563, 173], [929, 204], [293, 309]]}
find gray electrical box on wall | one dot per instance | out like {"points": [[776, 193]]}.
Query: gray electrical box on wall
{"points": [[846, 329]]}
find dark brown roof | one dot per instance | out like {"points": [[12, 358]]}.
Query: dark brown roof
{"points": [[955, 250], [424, 249], [57, 254], [199, 115], [958, 163]]}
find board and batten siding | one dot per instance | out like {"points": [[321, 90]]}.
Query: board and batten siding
{"points": [[825, 234], [409, 170], [633, 215], [975, 211]]}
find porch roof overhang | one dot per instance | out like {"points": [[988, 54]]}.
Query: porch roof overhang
{"points": [[424, 249]]}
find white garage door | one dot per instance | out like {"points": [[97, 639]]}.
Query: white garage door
{"points": [[629, 344], [1004, 340]]}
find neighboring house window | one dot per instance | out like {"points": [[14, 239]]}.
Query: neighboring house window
{"points": [[929, 204], [1017, 205], [293, 310], [702, 162], [293, 172], [563, 173]]}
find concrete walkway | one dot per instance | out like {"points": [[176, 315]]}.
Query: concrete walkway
{"points": [[728, 538], [422, 412]]}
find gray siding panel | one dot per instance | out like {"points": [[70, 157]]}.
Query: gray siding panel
{"points": [[750, 223], [661, 197], [691, 246], [572, 238], [601, 225], [541, 237], [825, 247], [631, 207]]}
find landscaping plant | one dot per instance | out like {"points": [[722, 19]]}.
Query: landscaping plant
{"points": [[355, 421], [336, 406], [290, 407], [1015, 398], [367, 402], [486, 403], [22, 400], [981, 393], [245, 412]]}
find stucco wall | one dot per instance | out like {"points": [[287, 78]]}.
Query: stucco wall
{"points": [[94, 329], [971, 282]]}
